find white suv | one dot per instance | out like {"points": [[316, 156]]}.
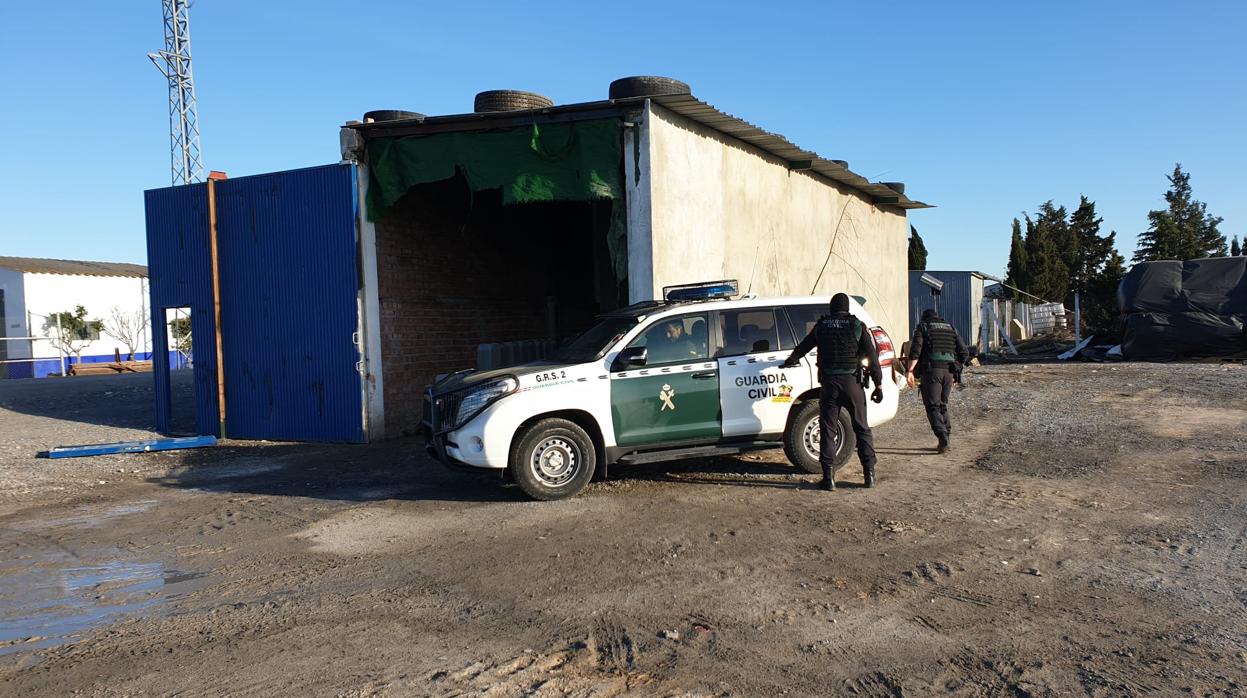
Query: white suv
{"points": [[695, 375]]}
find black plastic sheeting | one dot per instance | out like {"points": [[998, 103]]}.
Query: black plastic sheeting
{"points": [[1178, 309]]}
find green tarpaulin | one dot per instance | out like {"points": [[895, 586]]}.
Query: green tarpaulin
{"points": [[578, 161]]}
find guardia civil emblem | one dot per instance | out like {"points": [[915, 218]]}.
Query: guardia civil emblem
{"points": [[665, 395]]}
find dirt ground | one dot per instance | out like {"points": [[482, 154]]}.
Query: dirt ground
{"points": [[1086, 535]]}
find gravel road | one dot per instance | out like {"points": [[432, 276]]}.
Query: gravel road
{"points": [[1086, 535]]}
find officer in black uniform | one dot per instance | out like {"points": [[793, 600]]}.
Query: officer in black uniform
{"points": [[842, 342], [933, 349]]}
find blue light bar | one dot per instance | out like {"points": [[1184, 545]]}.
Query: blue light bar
{"points": [[707, 290]]}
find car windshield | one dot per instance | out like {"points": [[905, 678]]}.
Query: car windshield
{"points": [[594, 343]]}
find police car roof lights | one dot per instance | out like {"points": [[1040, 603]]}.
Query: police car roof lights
{"points": [[704, 291]]}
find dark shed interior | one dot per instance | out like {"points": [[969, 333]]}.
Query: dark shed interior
{"points": [[458, 268]]}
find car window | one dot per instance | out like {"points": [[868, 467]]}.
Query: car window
{"points": [[748, 331], [804, 317], [677, 339]]}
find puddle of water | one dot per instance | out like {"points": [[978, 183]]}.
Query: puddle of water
{"points": [[86, 516], [59, 598], [217, 478]]}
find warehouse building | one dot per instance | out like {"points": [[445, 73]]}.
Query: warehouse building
{"points": [[34, 290], [345, 289], [955, 295]]}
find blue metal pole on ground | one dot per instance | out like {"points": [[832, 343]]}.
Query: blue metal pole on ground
{"points": [[131, 447]]}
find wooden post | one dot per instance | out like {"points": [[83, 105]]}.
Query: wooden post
{"points": [[216, 304]]}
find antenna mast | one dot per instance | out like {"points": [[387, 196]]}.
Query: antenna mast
{"points": [[174, 62]]}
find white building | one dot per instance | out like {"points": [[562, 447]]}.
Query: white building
{"points": [[33, 290]]}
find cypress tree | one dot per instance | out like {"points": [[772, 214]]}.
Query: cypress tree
{"points": [[1235, 250], [917, 251], [1016, 275], [1093, 250], [1184, 230], [1047, 270]]}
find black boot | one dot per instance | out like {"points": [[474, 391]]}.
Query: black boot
{"points": [[943, 446], [868, 474], [828, 483]]}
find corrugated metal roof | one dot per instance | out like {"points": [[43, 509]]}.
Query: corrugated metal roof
{"points": [[37, 265], [685, 105]]}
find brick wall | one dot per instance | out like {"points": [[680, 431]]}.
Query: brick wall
{"points": [[447, 281]]}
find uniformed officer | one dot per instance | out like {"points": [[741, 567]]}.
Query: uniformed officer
{"points": [[842, 342], [933, 349], [672, 344]]}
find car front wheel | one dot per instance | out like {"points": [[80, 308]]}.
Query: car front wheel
{"points": [[553, 459]]}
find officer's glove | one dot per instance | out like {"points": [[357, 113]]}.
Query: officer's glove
{"points": [[877, 396], [790, 363]]}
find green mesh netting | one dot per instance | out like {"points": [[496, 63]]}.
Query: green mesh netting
{"points": [[577, 161], [556, 162]]}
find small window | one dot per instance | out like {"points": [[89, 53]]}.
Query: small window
{"points": [[675, 340], [804, 317], [749, 331]]}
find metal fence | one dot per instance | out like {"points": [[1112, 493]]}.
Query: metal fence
{"points": [[21, 365], [18, 357], [1004, 321]]}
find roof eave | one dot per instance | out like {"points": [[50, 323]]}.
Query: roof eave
{"points": [[685, 105]]}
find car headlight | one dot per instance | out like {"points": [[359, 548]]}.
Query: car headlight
{"points": [[476, 400]]}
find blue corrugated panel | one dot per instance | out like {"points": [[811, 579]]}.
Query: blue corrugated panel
{"points": [[289, 283], [958, 302], [181, 276]]}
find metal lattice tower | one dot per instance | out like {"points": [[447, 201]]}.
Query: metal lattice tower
{"points": [[175, 63]]}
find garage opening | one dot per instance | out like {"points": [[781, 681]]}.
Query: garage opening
{"points": [[462, 262]]}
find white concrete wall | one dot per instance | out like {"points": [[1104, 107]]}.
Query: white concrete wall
{"points": [[11, 282], [50, 293], [720, 208]]}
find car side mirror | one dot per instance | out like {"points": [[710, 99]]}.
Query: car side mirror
{"points": [[631, 358]]}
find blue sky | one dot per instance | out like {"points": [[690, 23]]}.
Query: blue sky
{"points": [[985, 109]]}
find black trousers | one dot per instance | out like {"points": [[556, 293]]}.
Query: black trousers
{"points": [[937, 383], [843, 391]]}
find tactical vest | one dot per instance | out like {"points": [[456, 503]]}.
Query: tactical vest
{"points": [[941, 342], [837, 337]]}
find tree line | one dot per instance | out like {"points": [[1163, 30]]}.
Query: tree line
{"points": [[1059, 254]]}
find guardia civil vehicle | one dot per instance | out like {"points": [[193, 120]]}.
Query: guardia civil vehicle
{"points": [[693, 375]]}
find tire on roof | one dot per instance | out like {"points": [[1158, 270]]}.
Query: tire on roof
{"points": [[391, 115], [509, 100], [646, 85]]}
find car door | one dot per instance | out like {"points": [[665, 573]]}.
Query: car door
{"points": [[756, 392], [803, 319], [674, 397]]}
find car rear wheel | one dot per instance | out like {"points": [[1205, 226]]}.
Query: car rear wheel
{"points": [[801, 439], [553, 459]]}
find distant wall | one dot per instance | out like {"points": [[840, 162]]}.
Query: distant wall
{"points": [[720, 208], [43, 294]]}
